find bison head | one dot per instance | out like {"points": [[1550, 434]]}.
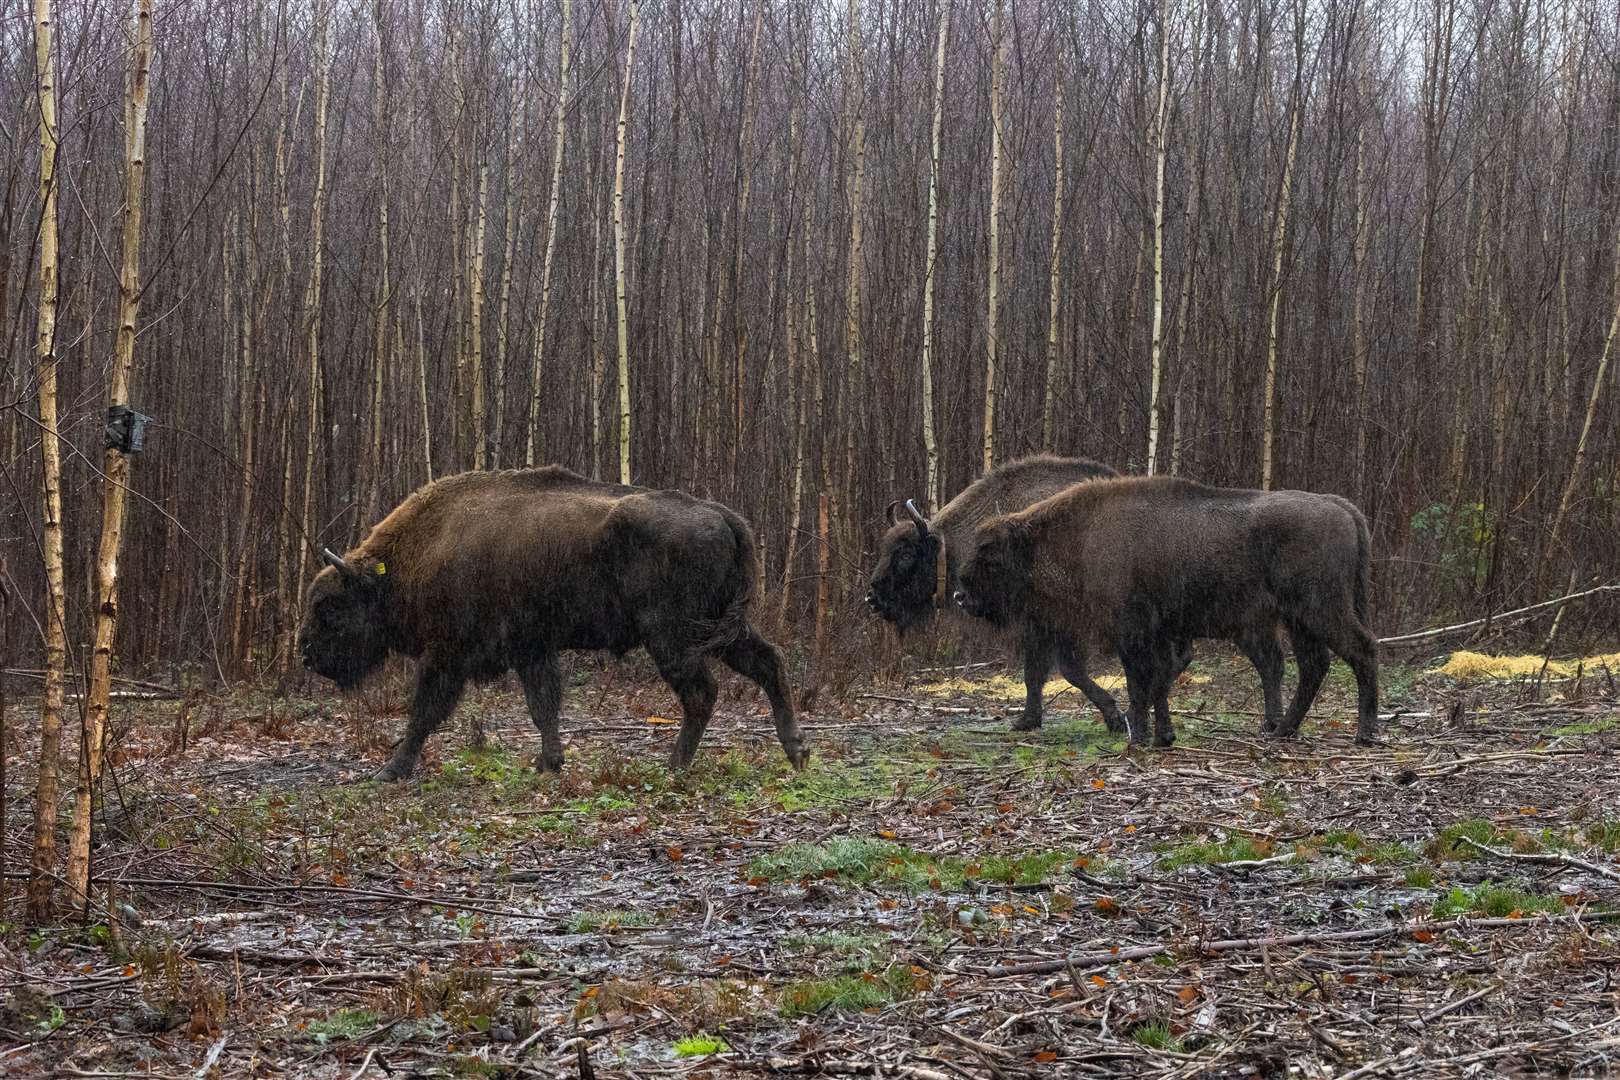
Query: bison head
{"points": [[996, 579], [902, 587], [343, 633]]}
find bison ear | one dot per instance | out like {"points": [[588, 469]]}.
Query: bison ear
{"points": [[891, 512]]}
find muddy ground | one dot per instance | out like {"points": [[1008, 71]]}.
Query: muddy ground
{"points": [[934, 897]]}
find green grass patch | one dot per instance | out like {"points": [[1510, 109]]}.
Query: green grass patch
{"points": [[1392, 853], [1235, 848], [591, 922], [1494, 901], [1157, 1036], [1600, 726], [700, 1045], [343, 1024], [1448, 843], [1604, 834], [848, 993], [867, 861], [1419, 877]]}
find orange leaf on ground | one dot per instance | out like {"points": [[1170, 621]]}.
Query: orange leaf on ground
{"points": [[1099, 783], [1045, 1056]]}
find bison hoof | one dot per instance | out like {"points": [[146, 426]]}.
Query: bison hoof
{"points": [[1366, 740], [548, 763], [1115, 723], [1164, 741], [395, 771], [1278, 732], [1027, 722], [798, 756]]}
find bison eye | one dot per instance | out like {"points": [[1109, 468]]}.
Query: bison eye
{"points": [[903, 557]]}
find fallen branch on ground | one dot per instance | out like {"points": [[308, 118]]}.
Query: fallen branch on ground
{"points": [[1231, 945], [1422, 636], [1546, 859]]}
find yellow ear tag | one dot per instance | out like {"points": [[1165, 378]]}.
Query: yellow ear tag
{"points": [[382, 568]]}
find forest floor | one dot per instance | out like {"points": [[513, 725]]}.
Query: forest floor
{"points": [[934, 897]]}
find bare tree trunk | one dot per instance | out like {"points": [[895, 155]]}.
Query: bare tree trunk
{"points": [[379, 359], [618, 247], [42, 877], [1054, 273], [993, 304], [930, 440], [512, 222], [563, 92], [1161, 132], [1360, 347], [115, 464], [312, 304], [852, 309], [1279, 247], [475, 322]]}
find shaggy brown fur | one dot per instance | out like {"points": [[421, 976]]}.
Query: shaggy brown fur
{"points": [[487, 572], [1145, 562], [904, 588]]}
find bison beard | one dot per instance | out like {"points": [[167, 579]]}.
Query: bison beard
{"points": [[905, 586], [1222, 563], [489, 572]]}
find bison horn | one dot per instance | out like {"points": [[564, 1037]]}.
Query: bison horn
{"points": [[332, 558], [891, 512], [916, 517]]}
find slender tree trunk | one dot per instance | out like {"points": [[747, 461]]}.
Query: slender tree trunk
{"points": [[565, 77], [42, 877], [856, 278], [512, 222], [312, 304], [993, 305], [620, 285], [930, 439], [1161, 134], [1279, 248], [1360, 347], [1054, 274], [475, 322], [115, 465], [380, 321]]}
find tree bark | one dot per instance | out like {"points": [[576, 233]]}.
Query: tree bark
{"points": [[1279, 247], [1161, 134], [115, 465], [620, 285], [42, 877], [930, 439], [992, 322], [565, 76]]}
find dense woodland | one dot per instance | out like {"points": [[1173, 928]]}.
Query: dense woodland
{"points": [[795, 257]]}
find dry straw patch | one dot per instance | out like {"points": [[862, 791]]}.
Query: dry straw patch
{"points": [[1473, 667]]}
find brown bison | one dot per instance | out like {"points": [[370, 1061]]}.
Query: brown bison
{"points": [[487, 572], [911, 578], [1147, 562]]}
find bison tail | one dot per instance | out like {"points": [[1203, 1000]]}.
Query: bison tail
{"points": [[1363, 583], [737, 591]]}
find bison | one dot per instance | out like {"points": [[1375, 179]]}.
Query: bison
{"points": [[911, 578], [485, 572], [1148, 562]]}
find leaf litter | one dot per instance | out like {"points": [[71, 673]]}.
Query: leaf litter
{"points": [[935, 896]]}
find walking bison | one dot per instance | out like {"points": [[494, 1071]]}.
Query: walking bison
{"points": [[911, 579], [1147, 562], [486, 572]]}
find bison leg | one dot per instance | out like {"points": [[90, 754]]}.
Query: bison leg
{"points": [[542, 688], [689, 677], [752, 657], [1360, 650], [1261, 647], [1037, 650], [1313, 658], [438, 689], [1072, 662]]}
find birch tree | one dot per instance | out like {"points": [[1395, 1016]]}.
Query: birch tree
{"points": [[1161, 138], [565, 88], [1279, 246], [993, 306], [115, 464], [42, 877], [620, 273], [930, 266], [1054, 269]]}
